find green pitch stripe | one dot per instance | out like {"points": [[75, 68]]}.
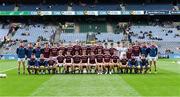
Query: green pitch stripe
{"points": [[82, 85], [20, 85], [7, 65], [169, 65]]}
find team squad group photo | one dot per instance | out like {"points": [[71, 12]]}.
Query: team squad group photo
{"points": [[96, 58]]}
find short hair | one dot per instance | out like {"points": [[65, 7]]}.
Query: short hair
{"points": [[21, 42], [118, 42], [105, 43]]}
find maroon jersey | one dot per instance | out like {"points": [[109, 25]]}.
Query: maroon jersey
{"points": [[105, 50], [68, 59], [99, 48], [112, 51], [136, 50], [124, 61], [77, 48], [93, 49], [107, 58], [99, 58], [115, 59], [92, 59], [70, 49], [84, 48], [84, 58], [88, 50], [51, 62], [77, 59], [54, 52], [46, 52], [60, 59], [63, 49], [129, 53]]}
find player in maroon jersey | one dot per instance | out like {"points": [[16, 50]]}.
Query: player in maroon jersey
{"points": [[46, 51], [93, 48], [69, 48], [88, 50], [112, 50], [136, 51], [76, 61], [99, 61], [129, 52], [54, 51], [68, 62], [62, 48], [99, 47], [116, 62], [92, 62], [105, 49], [60, 60], [84, 50], [84, 63], [124, 64], [77, 48], [108, 66]]}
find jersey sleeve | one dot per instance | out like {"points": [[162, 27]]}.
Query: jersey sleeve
{"points": [[17, 50], [156, 51]]}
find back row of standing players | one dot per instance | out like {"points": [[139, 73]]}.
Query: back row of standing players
{"points": [[103, 59]]}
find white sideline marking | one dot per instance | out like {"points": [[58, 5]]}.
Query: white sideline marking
{"points": [[8, 69]]}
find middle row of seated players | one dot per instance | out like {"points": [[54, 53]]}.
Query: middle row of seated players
{"points": [[52, 51], [101, 63]]}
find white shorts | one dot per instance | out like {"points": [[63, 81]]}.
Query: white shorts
{"points": [[77, 64], [54, 58], [92, 64], [21, 59], [60, 64], [84, 64], [153, 58], [137, 58], [67, 64], [46, 59]]}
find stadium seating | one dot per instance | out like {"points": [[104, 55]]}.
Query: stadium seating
{"points": [[109, 36], [73, 37], [157, 31], [3, 32], [34, 7], [7, 7], [34, 33], [102, 7], [93, 27], [75, 7], [172, 46]]}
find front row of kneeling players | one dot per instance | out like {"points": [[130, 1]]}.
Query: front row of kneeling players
{"points": [[100, 64]]}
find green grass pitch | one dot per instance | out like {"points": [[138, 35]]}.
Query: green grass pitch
{"points": [[165, 83]]}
